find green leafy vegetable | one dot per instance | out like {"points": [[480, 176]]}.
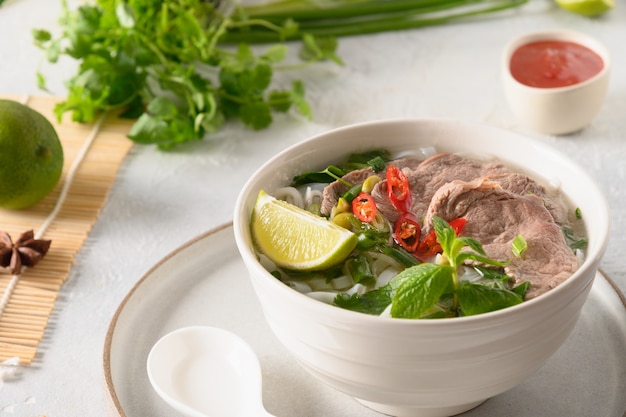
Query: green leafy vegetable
{"points": [[360, 269], [375, 159], [372, 302], [522, 289], [574, 241], [167, 63], [429, 290], [400, 255], [372, 159], [479, 299], [420, 289], [161, 61]]}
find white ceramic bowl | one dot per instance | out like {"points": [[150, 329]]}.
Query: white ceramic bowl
{"points": [[423, 368], [559, 110]]}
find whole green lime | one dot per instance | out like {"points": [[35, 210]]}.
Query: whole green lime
{"points": [[587, 7], [31, 156]]}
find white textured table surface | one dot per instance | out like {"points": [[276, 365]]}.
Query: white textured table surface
{"points": [[161, 200]]}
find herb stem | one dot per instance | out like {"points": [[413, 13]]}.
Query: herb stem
{"points": [[369, 17], [314, 10]]}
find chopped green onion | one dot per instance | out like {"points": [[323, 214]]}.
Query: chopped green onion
{"points": [[338, 18], [519, 245], [377, 164]]}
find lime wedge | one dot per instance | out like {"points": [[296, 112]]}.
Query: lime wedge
{"points": [[587, 7], [296, 239]]}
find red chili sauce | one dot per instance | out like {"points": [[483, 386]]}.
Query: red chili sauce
{"points": [[549, 64]]}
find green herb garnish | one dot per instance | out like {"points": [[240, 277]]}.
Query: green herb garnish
{"points": [[184, 67], [161, 61], [578, 213], [573, 241], [373, 159], [420, 288], [519, 245], [428, 290], [372, 302]]}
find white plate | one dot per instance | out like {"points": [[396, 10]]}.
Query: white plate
{"points": [[205, 283]]}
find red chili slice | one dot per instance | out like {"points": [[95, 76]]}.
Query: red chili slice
{"points": [[364, 207], [407, 231], [430, 247], [398, 189]]}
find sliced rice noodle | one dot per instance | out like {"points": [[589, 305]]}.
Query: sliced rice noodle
{"points": [[299, 286], [342, 282], [312, 196], [357, 289], [385, 277], [419, 154], [323, 296], [290, 195]]}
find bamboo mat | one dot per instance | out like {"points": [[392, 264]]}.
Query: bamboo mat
{"points": [[32, 297]]}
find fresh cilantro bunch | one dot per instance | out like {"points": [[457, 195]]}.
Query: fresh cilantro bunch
{"points": [[430, 290], [161, 61]]}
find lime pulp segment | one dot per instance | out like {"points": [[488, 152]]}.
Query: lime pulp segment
{"points": [[296, 239]]}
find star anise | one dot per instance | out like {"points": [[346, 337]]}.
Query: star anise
{"points": [[27, 251]]}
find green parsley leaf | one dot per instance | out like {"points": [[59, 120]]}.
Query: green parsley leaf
{"points": [[360, 269], [256, 114], [133, 52], [319, 48], [299, 100]]}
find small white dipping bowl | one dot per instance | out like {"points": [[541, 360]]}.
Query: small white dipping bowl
{"points": [[424, 368], [558, 110]]}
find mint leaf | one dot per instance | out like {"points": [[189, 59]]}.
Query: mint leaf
{"points": [[490, 273], [372, 302], [473, 256], [419, 288], [446, 236], [478, 299], [472, 244], [522, 289]]}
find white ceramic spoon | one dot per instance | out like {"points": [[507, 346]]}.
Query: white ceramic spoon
{"points": [[207, 372]]}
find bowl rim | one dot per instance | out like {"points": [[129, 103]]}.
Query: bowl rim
{"points": [[570, 35], [250, 259]]}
